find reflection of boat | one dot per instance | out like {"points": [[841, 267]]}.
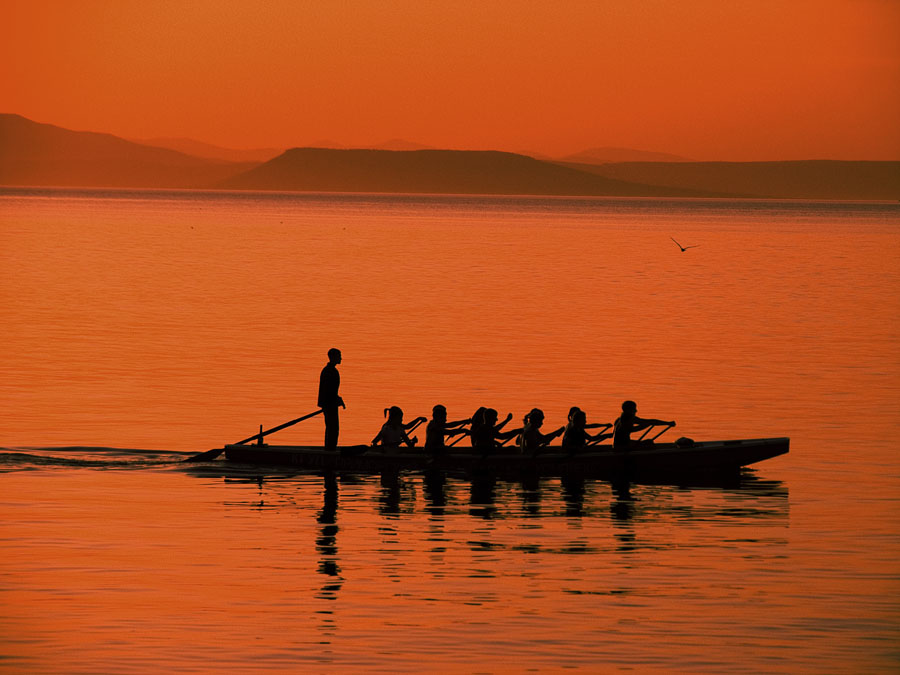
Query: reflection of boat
{"points": [[660, 459]]}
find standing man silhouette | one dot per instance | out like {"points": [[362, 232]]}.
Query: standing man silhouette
{"points": [[329, 400]]}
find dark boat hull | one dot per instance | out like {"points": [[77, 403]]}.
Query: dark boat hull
{"points": [[659, 460]]}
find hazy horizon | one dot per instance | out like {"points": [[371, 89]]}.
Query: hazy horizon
{"points": [[388, 143], [712, 81], [36, 154]]}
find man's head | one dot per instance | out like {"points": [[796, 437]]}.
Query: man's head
{"points": [[629, 407], [334, 355]]}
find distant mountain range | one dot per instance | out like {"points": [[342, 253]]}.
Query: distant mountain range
{"points": [[35, 154]]}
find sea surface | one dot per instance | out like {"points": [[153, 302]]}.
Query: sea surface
{"points": [[141, 327]]}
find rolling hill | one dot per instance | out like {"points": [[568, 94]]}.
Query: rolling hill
{"points": [[432, 171], [42, 154], [34, 154]]}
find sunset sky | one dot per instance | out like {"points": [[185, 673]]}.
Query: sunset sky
{"points": [[706, 79]]}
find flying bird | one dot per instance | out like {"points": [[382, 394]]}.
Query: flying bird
{"points": [[683, 248]]}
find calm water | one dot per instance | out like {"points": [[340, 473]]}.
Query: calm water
{"points": [[176, 322]]}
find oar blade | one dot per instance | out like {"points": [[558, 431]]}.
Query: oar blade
{"points": [[207, 456]]}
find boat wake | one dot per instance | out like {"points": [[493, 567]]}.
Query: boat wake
{"points": [[34, 459]]}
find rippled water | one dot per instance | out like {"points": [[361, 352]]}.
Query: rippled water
{"points": [[179, 321]]}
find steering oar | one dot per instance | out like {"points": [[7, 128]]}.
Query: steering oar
{"points": [[210, 455]]}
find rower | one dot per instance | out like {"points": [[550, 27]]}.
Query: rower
{"points": [[532, 440], [439, 428], [593, 425], [486, 434], [628, 422], [393, 431], [575, 437]]}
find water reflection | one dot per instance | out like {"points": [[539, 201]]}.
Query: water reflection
{"points": [[327, 549], [531, 496], [326, 544], [482, 496], [622, 505], [573, 490], [397, 495], [743, 497], [434, 484]]}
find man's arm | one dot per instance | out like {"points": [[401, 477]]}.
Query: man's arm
{"points": [[643, 424]]}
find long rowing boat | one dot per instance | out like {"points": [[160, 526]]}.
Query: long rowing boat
{"points": [[658, 459]]}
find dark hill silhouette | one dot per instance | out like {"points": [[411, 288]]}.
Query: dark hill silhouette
{"points": [[431, 171], [809, 179], [610, 154], [42, 154]]}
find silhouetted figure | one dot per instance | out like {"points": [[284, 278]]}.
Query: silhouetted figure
{"points": [[627, 423], [592, 425], [532, 440], [393, 431], [439, 428], [683, 248], [487, 434], [575, 437], [329, 400], [476, 424]]}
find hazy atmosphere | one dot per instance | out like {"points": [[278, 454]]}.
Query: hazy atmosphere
{"points": [[701, 79]]}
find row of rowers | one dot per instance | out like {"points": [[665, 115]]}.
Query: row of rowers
{"points": [[486, 432]]}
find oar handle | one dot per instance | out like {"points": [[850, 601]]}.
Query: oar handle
{"points": [[278, 428]]}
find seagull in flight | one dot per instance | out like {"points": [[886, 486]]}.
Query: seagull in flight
{"points": [[683, 248]]}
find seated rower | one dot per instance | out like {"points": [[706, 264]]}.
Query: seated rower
{"points": [[593, 425], [532, 440], [393, 431], [575, 437], [439, 428], [486, 434], [627, 423], [477, 421]]}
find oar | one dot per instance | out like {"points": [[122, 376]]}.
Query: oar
{"points": [[210, 455], [598, 441], [461, 436], [667, 427], [415, 424]]}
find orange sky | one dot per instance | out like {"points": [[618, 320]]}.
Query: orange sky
{"points": [[706, 79]]}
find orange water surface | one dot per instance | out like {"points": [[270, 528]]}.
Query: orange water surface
{"points": [[179, 321]]}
